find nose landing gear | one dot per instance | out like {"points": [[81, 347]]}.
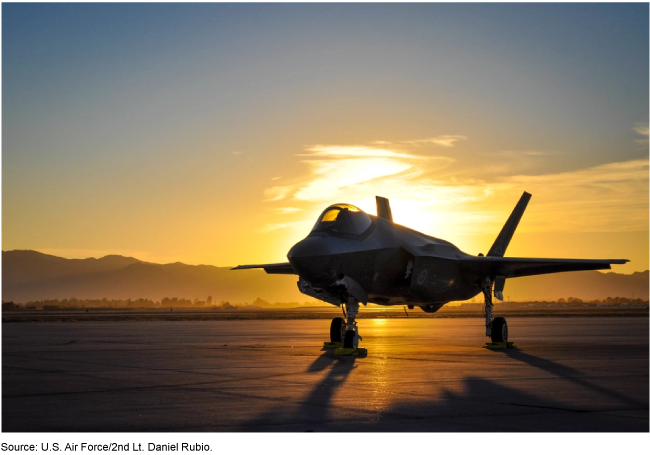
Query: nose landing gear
{"points": [[338, 327], [344, 336]]}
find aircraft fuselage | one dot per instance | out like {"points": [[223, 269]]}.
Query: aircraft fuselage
{"points": [[393, 264]]}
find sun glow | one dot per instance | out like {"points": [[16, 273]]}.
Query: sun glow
{"points": [[427, 193]]}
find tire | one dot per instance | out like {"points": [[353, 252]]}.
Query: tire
{"points": [[499, 330], [337, 330], [348, 341]]}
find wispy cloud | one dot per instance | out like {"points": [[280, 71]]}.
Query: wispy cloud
{"points": [[431, 194], [356, 151], [356, 173], [346, 170], [331, 178], [292, 224], [236, 152], [445, 140], [515, 153], [286, 210], [612, 197], [642, 129], [510, 162], [276, 193]]}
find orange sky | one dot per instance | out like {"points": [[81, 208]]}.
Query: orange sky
{"points": [[596, 212]]}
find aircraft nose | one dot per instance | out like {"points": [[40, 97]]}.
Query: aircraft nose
{"points": [[309, 247], [311, 258]]}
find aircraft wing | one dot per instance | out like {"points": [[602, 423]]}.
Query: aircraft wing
{"points": [[283, 268], [518, 267]]}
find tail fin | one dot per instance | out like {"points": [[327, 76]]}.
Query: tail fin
{"points": [[383, 208], [503, 240]]}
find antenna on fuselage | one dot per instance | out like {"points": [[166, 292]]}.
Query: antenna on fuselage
{"points": [[383, 208]]}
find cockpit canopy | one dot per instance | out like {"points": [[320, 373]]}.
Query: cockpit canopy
{"points": [[343, 219]]}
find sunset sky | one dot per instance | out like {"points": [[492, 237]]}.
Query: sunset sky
{"points": [[216, 134]]}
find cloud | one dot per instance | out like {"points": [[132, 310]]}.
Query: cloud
{"points": [[446, 140], [237, 152], [611, 197], [276, 193], [292, 224], [356, 151], [276, 178], [285, 210], [642, 129], [334, 177], [509, 162], [515, 153], [448, 198], [338, 171]]}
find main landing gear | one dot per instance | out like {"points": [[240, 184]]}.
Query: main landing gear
{"points": [[344, 336], [497, 328]]}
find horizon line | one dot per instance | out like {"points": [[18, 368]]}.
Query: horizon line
{"points": [[227, 266]]}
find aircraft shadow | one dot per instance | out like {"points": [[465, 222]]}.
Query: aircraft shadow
{"points": [[476, 404], [570, 374], [485, 405], [316, 407]]}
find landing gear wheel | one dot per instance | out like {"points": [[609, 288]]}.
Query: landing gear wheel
{"points": [[499, 330], [337, 330], [348, 341]]}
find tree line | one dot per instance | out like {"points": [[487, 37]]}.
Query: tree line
{"points": [[165, 302]]}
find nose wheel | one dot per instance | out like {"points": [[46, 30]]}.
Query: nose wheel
{"points": [[338, 327], [344, 335]]}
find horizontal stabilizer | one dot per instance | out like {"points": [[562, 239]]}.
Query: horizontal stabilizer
{"points": [[383, 208], [283, 268], [503, 240]]}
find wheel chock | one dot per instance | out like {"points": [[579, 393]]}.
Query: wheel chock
{"points": [[508, 345], [351, 351], [332, 344]]}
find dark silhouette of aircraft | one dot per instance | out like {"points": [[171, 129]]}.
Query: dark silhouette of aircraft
{"points": [[351, 257]]}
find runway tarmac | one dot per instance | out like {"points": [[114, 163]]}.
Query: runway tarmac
{"points": [[568, 374]]}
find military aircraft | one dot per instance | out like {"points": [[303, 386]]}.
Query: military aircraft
{"points": [[351, 257]]}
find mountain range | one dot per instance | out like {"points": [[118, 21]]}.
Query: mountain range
{"points": [[29, 275]]}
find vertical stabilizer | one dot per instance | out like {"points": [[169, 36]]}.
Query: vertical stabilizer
{"points": [[383, 208], [503, 240]]}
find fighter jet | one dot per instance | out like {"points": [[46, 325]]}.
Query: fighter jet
{"points": [[351, 258]]}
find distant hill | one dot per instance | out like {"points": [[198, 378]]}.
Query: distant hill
{"points": [[585, 285], [30, 275], [26, 266]]}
